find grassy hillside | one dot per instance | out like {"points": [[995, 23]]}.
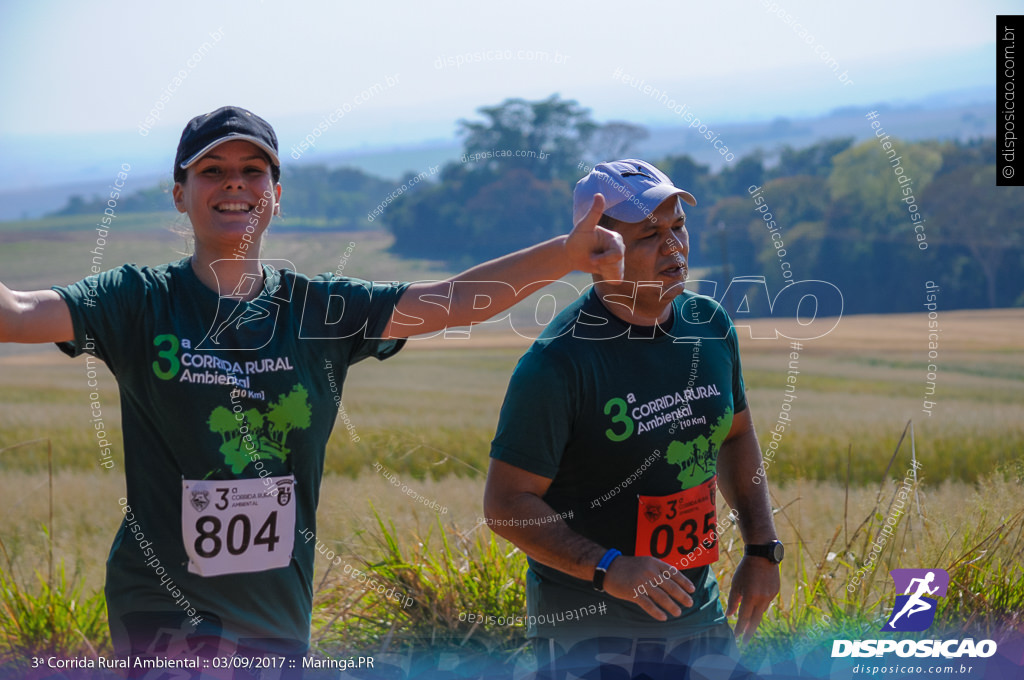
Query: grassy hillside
{"points": [[57, 250]]}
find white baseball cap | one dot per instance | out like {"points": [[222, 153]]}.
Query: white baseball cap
{"points": [[632, 190]]}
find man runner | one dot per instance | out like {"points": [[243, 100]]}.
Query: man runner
{"points": [[620, 425]]}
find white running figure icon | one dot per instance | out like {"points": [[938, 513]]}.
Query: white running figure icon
{"points": [[242, 314], [915, 604]]}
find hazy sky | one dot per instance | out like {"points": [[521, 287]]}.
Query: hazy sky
{"points": [[99, 67]]}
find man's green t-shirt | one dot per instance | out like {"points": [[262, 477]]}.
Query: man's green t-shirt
{"points": [[611, 413], [216, 389]]}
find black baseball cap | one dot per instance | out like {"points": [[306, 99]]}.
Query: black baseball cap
{"points": [[226, 124]]}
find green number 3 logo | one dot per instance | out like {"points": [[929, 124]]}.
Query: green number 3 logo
{"points": [[170, 354], [619, 417]]}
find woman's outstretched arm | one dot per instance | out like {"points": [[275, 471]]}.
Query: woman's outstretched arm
{"points": [[34, 316]]}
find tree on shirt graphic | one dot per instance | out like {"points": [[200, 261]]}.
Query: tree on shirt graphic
{"points": [[265, 432], [696, 458]]}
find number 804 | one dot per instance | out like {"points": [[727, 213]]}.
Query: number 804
{"points": [[239, 530]]}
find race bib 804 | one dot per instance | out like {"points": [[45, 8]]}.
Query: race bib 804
{"points": [[238, 525]]}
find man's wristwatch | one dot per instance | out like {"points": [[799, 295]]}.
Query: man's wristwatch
{"points": [[773, 552]]}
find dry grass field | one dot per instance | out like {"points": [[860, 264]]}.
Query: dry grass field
{"points": [[428, 416]]}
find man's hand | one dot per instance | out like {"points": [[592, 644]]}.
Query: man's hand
{"points": [[593, 249], [508, 279], [754, 585], [654, 585]]}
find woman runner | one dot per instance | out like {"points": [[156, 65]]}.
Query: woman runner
{"points": [[226, 405]]}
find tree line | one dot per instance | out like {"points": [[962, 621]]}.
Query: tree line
{"points": [[835, 211]]}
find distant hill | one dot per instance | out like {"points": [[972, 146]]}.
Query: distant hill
{"points": [[911, 122]]}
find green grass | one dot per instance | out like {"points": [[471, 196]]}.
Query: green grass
{"points": [[446, 573], [52, 617]]}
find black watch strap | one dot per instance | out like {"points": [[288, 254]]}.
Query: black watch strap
{"points": [[773, 551]]}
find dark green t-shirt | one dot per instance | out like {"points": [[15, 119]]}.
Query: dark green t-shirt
{"points": [[610, 412], [174, 347]]}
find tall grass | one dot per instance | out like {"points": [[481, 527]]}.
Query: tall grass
{"points": [[448, 573], [52, 617], [984, 556]]}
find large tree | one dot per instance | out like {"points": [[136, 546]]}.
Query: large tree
{"points": [[503, 195], [559, 128], [870, 250]]}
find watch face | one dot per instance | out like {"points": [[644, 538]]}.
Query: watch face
{"points": [[778, 552]]}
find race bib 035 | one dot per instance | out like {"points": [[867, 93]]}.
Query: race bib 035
{"points": [[238, 525], [680, 528]]}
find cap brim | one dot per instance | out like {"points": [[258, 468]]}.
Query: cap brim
{"points": [[232, 138], [688, 197]]}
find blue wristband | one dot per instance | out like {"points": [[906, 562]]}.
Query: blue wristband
{"points": [[602, 568]]}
